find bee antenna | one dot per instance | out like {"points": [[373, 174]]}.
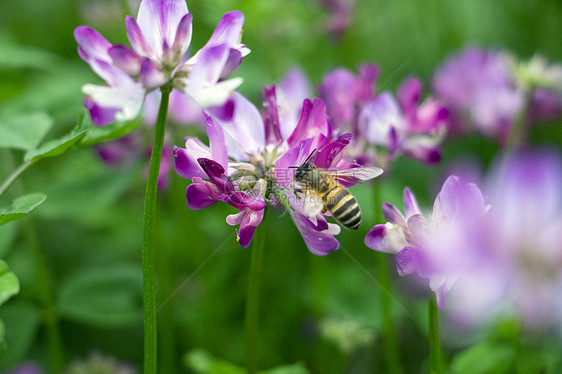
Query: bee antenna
{"points": [[309, 156]]}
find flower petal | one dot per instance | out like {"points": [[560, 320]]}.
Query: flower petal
{"points": [[248, 221], [376, 238], [365, 88], [213, 94], [378, 117], [136, 38], [183, 35], [228, 30], [150, 75], [159, 20], [409, 94], [202, 83], [337, 90], [201, 194], [407, 261], [92, 44], [411, 206], [387, 238], [319, 242], [245, 132], [184, 110], [430, 118], [101, 116], [271, 117], [290, 94], [207, 68], [216, 174], [233, 62], [216, 141], [312, 122], [185, 160], [331, 153], [125, 59], [393, 215], [418, 227], [124, 93]]}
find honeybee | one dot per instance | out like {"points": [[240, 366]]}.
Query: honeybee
{"points": [[323, 192]]}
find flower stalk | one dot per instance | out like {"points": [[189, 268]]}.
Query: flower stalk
{"points": [[13, 176], [434, 344], [389, 332], [149, 228], [252, 302]]}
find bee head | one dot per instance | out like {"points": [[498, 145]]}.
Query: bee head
{"points": [[302, 170]]}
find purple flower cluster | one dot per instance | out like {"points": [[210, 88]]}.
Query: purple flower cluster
{"points": [[266, 151], [493, 93], [385, 126], [160, 37], [412, 237], [486, 254]]}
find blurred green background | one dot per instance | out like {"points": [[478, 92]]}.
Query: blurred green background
{"points": [[323, 312]]}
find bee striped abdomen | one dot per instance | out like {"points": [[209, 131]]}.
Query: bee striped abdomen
{"points": [[343, 206]]}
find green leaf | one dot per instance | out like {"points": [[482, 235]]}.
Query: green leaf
{"points": [[104, 295], [484, 358], [7, 237], [58, 146], [203, 363], [9, 284], [21, 207], [22, 323], [17, 56], [115, 130], [200, 361], [24, 132]]}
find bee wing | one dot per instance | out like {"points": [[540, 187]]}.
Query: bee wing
{"points": [[357, 174], [312, 204]]}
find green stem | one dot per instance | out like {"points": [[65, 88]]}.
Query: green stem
{"points": [[149, 229], [391, 355], [252, 302], [44, 282], [13, 176], [518, 132], [434, 345]]}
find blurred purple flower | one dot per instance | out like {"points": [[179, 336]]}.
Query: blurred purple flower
{"points": [[415, 240], [26, 368], [120, 151], [159, 37], [264, 152], [523, 233], [289, 96], [340, 15], [479, 88], [512, 260], [403, 126], [506, 256], [345, 94]]}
